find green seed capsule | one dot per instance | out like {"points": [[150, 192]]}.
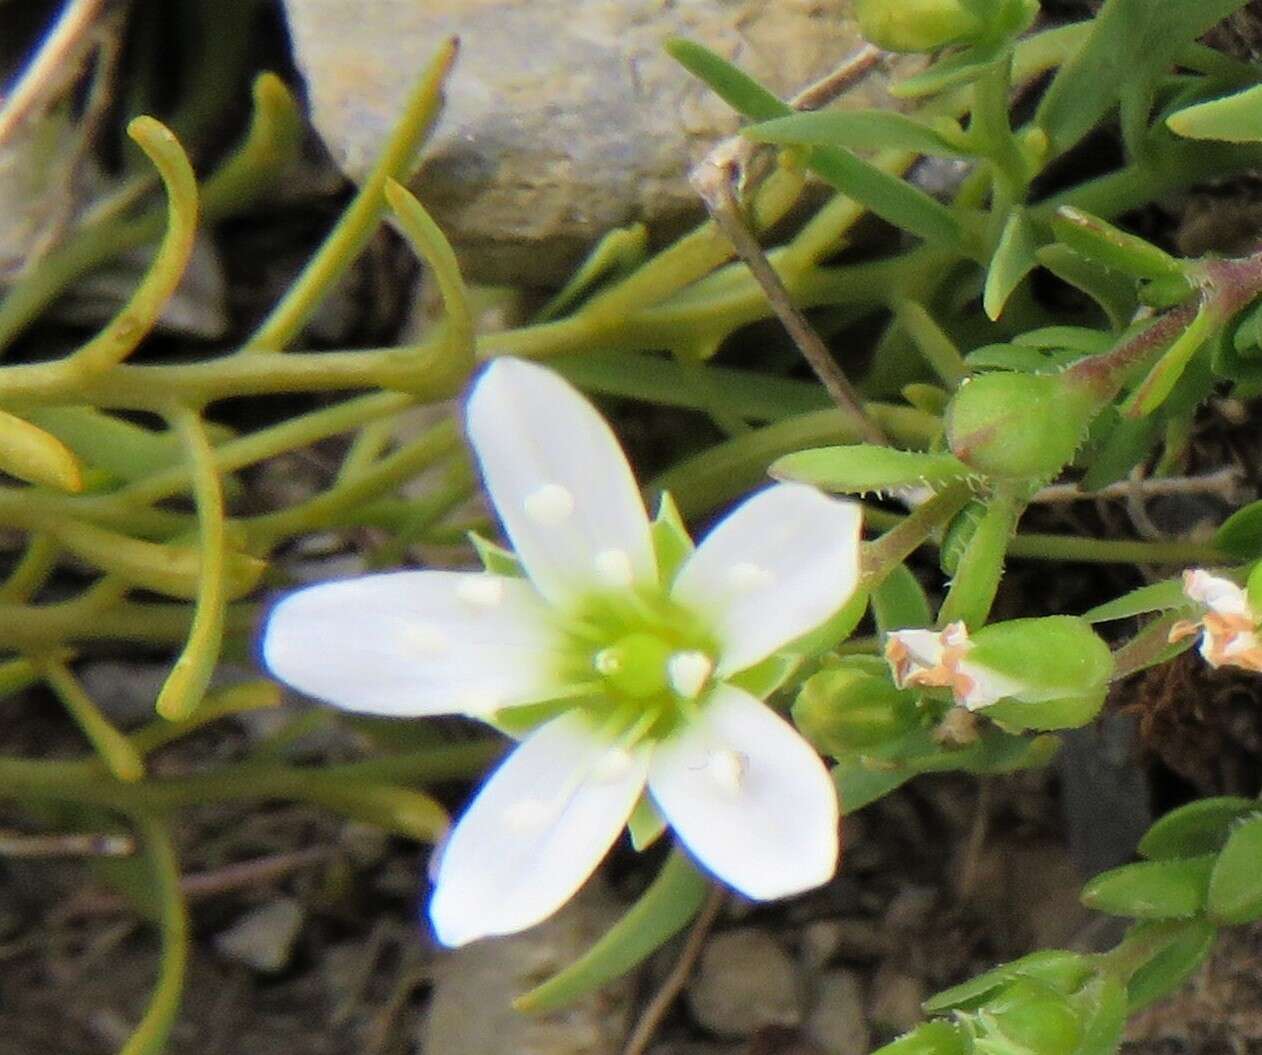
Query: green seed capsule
{"points": [[917, 25], [1017, 426], [847, 710]]}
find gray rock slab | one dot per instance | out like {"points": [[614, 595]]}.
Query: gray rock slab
{"points": [[562, 119]]}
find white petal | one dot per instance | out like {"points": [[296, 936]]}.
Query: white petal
{"points": [[1217, 594], [977, 687], [535, 832], [416, 642], [774, 569], [559, 481], [749, 798]]}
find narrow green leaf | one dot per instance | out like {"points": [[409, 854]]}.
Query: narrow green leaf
{"points": [[1166, 371], [1020, 358], [671, 541], [1235, 886], [1014, 258], [664, 909], [950, 72], [1200, 827], [863, 130], [900, 601], [1240, 535], [1067, 338], [1155, 597], [980, 565], [735, 87], [859, 784], [1173, 965], [1100, 241], [1063, 970], [1174, 889], [1126, 442], [1102, 1006], [1132, 42], [862, 467], [1235, 118], [1114, 293]]}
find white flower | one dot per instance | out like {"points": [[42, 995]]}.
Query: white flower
{"points": [[939, 659], [1228, 628], [629, 672]]}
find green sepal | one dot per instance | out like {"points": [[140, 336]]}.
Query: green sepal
{"points": [[1169, 968], [1235, 118], [1081, 339], [862, 467], [860, 784], [495, 558], [663, 910], [1155, 597], [1064, 712], [1022, 359], [1015, 257], [1103, 1008], [1253, 587], [1098, 240], [764, 678], [929, 1038], [918, 25], [645, 825], [1053, 656], [1026, 1015], [1233, 354], [1061, 969], [1235, 885], [1199, 827], [671, 542], [1240, 535], [899, 601], [1175, 889]]}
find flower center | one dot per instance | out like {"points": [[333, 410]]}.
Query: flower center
{"points": [[635, 665]]}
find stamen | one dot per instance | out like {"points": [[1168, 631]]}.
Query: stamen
{"points": [[614, 567], [607, 661], [614, 764], [746, 576], [484, 591], [551, 505], [727, 769], [688, 672]]}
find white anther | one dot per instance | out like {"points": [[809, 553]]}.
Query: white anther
{"points": [[688, 672], [607, 661], [613, 765], [746, 575], [614, 567], [550, 505], [423, 638], [527, 814], [485, 591], [727, 769]]}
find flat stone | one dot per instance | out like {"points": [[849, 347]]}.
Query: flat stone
{"points": [[562, 119], [745, 980], [836, 1021], [471, 1010], [263, 938], [895, 999]]}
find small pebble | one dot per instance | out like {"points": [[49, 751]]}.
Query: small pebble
{"points": [[264, 937], [745, 980]]}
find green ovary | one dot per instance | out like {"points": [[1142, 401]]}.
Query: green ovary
{"points": [[635, 665]]}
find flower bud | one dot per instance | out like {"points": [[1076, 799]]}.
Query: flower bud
{"points": [[917, 25], [1011, 425], [1049, 673], [1026, 1016], [1061, 664], [844, 709]]}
